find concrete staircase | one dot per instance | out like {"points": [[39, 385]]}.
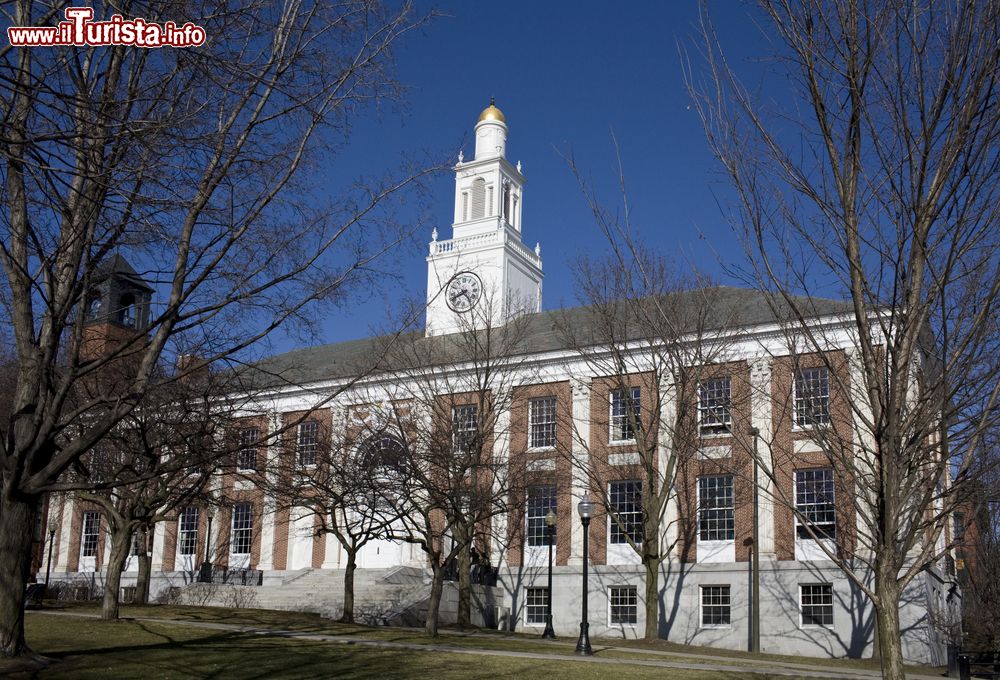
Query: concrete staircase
{"points": [[394, 596]]}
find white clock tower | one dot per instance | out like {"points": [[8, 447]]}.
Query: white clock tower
{"points": [[484, 273]]}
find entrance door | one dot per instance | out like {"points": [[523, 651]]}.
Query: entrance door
{"points": [[300, 539]]}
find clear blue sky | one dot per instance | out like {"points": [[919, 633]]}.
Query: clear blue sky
{"points": [[565, 74]]}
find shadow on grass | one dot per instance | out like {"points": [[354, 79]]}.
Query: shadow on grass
{"points": [[144, 650]]}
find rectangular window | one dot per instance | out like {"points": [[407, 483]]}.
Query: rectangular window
{"points": [[626, 506], [623, 605], [536, 606], [138, 544], [715, 606], [625, 412], [812, 396], [187, 532], [715, 508], [465, 428], [246, 458], [816, 604], [91, 534], [307, 442], [814, 499], [542, 423], [541, 499], [242, 528], [715, 398], [959, 521]]}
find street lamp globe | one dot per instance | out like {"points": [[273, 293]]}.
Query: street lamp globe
{"points": [[586, 508]]}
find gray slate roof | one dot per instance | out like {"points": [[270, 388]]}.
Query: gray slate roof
{"points": [[715, 308]]}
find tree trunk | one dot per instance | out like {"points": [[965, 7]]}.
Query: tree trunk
{"points": [[121, 542], [434, 601], [352, 565], [887, 619], [15, 565], [876, 646], [464, 618], [652, 598]]}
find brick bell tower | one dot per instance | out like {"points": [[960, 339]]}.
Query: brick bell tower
{"points": [[116, 309]]}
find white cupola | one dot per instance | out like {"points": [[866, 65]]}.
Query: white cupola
{"points": [[484, 273]]}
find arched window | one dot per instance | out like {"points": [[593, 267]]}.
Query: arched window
{"points": [[127, 310], [94, 304], [384, 455]]}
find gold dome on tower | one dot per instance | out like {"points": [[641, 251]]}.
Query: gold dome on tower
{"points": [[491, 112]]}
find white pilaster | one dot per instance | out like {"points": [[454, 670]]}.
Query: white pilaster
{"points": [[864, 438], [333, 552], [580, 457], [159, 538], [669, 530], [501, 449], [761, 418], [65, 533], [268, 511]]}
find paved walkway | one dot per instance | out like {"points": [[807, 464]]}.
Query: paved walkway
{"points": [[707, 662]]}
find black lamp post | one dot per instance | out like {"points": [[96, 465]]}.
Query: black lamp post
{"points": [[48, 562], [206, 566], [550, 523], [755, 592], [586, 509]]}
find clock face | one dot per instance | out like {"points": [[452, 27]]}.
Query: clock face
{"points": [[463, 291]]}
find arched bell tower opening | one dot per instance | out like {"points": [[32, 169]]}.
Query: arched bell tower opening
{"points": [[484, 269]]}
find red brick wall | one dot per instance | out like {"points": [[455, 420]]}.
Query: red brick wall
{"points": [[786, 461], [602, 472], [738, 463], [561, 477]]}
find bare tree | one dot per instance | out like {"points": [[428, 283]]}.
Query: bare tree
{"points": [[450, 396], [190, 163], [650, 331], [158, 459], [878, 181], [342, 479]]}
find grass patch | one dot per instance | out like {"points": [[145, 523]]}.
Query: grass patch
{"points": [[482, 639], [87, 648]]}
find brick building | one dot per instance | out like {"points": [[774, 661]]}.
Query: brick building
{"points": [[572, 427]]}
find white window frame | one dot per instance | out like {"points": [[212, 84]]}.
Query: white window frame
{"points": [[248, 521], [613, 511], [90, 532], [538, 408], [804, 421], [802, 623], [724, 427], [619, 424], [306, 443], [805, 483], [530, 607], [184, 535], [633, 593], [248, 443], [529, 517], [460, 426], [731, 509], [702, 591]]}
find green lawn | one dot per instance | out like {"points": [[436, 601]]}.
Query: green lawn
{"points": [[87, 648]]}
